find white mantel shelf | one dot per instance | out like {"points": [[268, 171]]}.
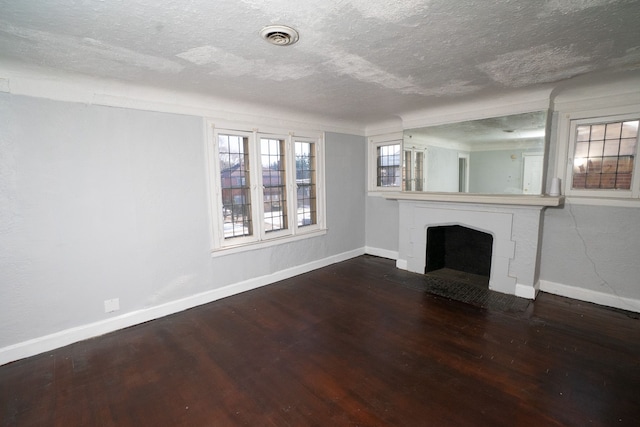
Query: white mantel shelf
{"points": [[490, 199]]}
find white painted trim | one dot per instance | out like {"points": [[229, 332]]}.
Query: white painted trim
{"points": [[527, 291], [402, 264], [606, 299], [372, 159], [513, 200], [384, 128], [60, 86], [515, 102], [72, 335], [382, 253], [255, 245]]}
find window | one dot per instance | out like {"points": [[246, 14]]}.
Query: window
{"points": [[274, 183], [603, 153], [413, 170], [385, 162], [307, 213], [234, 179], [265, 187], [388, 173]]}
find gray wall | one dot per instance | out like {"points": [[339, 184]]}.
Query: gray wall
{"points": [[382, 224], [593, 247], [98, 203]]}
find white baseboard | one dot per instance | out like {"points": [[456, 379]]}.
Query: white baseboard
{"points": [[607, 299], [402, 264], [83, 332], [383, 253], [526, 291]]}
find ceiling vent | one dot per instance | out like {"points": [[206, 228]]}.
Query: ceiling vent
{"points": [[279, 35]]}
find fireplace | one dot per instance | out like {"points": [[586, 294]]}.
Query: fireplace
{"points": [[459, 248], [514, 224]]}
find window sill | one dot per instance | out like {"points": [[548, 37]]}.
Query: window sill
{"points": [[229, 250]]}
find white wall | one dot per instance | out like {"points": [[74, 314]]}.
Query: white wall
{"points": [[497, 171], [100, 202], [442, 169]]}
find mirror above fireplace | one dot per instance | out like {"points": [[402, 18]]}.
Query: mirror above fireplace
{"points": [[498, 155]]}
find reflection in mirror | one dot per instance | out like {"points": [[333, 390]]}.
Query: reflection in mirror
{"points": [[499, 155]]}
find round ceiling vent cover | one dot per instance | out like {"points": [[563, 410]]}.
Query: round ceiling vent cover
{"points": [[279, 35]]}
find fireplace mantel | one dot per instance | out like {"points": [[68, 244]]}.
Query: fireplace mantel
{"points": [[541, 201]]}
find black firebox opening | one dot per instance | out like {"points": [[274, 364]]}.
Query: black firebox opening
{"points": [[459, 248]]}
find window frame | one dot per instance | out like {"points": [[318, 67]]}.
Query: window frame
{"points": [[632, 194], [314, 183], [374, 143], [261, 237]]}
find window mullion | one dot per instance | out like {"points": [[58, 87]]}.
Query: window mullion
{"points": [[216, 187], [292, 200], [635, 183], [257, 207]]}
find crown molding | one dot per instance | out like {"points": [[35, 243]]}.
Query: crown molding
{"points": [[55, 85]]}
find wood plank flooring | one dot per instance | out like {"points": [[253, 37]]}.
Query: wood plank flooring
{"points": [[341, 346]]}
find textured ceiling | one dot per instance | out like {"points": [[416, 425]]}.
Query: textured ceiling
{"points": [[358, 60]]}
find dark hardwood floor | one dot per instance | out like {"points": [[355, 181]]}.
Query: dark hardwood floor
{"points": [[346, 345]]}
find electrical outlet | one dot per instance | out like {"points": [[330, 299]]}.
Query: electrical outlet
{"points": [[111, 305]]}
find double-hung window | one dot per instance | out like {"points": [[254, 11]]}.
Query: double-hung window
{"points": [[603, 157], [385, 163], [265, 187]]}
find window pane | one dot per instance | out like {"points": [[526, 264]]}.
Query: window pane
{"points": [[583, 133], [605, 164], [630, 129], [611, 147], [579, 180], [623, 181], [419, 170], [625, 164], [274, 183], [233, 152], [305, 153], [407, 168], [388, 173], [597, 132], [627, 147], [610, 165], [608, 180], [594, 165], [625, 167], [593, 180], [596, 148], [579, 165], [582, 149], [613, 130]]}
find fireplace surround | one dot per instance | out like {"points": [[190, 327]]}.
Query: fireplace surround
{"points": [[514, 222]]}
